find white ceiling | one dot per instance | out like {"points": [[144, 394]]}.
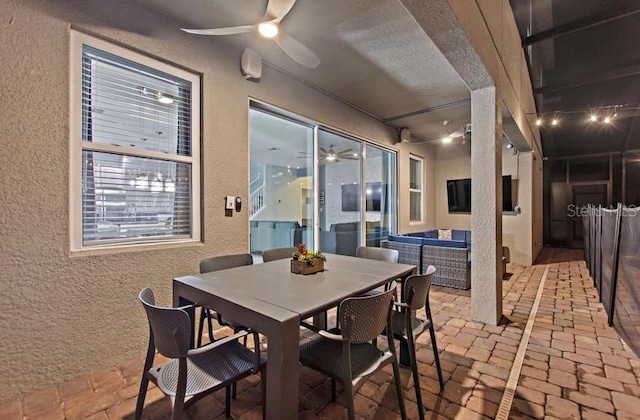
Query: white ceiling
{"points": [[373, 56]]}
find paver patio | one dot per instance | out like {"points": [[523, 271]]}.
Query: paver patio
{"points": [[575, 365]]}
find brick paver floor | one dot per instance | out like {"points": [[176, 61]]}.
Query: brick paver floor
{"points": [[575, 366]]}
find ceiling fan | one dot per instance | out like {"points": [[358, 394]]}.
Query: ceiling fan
{"points": [[269, 27], [331, 155]]}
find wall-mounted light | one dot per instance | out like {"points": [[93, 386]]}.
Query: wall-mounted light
{"points": [[509, 145]]}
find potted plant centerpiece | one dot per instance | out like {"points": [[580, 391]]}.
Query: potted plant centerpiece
{"points": [[306, 261]]}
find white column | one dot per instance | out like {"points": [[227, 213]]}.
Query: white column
{"points": [[486, 210]]}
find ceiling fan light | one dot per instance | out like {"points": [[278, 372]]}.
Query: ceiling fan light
{"points": [[268, 29], [593, 118], [331, 157], [447, 140], [607, 120], [164, 99]]}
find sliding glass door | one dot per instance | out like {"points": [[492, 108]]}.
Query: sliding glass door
{"points": [[280, 182], [306, 185]]}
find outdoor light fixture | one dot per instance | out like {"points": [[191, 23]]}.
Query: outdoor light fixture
{"points": [[509, 145]]}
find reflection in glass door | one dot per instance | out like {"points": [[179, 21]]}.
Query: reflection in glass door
{"points": [[380, 211], [339, 167], [280, 182]]}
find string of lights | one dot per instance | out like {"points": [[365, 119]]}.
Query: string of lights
{"points": [[603, 114]]}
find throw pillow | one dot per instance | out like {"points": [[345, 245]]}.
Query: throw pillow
{"points": [[444, 234]]}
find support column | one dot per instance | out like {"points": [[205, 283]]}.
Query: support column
{"points": [[486, 210]]}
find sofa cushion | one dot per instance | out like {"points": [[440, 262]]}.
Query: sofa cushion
{"points": [[266, 224], [406, 239], [444, 243], [433, 233], [444, 234], [344, 227], [287, 225], [253, 223]]}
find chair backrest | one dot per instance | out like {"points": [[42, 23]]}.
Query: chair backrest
{"points": [[374, 253], [170, 327], [362, 319], [278, 253], [416, 289], [223, 262]]}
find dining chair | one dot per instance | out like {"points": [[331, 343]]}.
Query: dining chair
{"points": [[375, 253], [191, 374], [278, 253], [218, 263], [347, 355], [380, 254], [407, 326]]}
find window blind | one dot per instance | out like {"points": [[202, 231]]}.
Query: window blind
{"points": [[136, 150]]}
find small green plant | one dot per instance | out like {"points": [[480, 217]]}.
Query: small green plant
{"points": [[306, 255]]}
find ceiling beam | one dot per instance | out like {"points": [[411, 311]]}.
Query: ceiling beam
{"points": [[581, 24], [603, 76]]}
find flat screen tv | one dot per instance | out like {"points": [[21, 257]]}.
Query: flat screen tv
{"points": [[351, 194], [459, 195]]}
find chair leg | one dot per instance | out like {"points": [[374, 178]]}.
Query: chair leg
{"points": [[234, 390], [144, 383], [396, 379], [333, 390], [203, 313], [210, 325], [436, 356], [416, 378], [227, 401], [348, 396]]}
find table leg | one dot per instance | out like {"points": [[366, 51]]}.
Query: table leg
{"points": [[283, 371]]}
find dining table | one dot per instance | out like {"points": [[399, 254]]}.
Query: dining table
{"points": [[271, 300]]}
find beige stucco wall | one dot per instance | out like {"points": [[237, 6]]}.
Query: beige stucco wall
{"points": [[454, 162], [63, 316]]}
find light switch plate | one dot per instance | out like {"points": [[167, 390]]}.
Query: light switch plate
{"points": [[230, 202]]}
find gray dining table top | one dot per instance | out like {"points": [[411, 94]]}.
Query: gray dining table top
{"points": [[271, 289]]}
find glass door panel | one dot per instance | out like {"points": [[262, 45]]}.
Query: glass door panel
{"points": [[380, 210], [340, 192], [280, 182]]}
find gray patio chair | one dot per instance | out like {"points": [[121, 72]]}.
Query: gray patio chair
{"points": [[278, 253], [407, 327], [375, 253], [191, 373], [209, 265], [380, 254], [347, 355]]}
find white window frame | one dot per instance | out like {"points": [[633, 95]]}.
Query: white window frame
{"points": [[417, 190], [77, 145]]}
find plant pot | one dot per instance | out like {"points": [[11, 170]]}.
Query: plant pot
{"points": [[303, 267]]}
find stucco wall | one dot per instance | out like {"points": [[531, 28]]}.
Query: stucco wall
{"points": [[63, 316], [454, 162]]}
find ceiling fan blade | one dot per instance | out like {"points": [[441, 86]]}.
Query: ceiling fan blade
{"points": [[298, 52], [323, 150], [222, 31], [278, 9]]}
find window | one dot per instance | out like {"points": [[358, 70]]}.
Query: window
{"points": [[135, 158], [415, 189]]}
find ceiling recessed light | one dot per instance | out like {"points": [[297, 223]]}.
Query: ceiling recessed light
{"points": [[593, 118], [447, 140], [554, 121], [268, 29], [607, 120]]}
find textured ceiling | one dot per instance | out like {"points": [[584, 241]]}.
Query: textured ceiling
{"points": [[584, 58], [373, 56]]}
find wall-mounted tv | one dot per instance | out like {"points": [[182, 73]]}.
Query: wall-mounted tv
{"points": [[351, 194], [459, 195]]}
